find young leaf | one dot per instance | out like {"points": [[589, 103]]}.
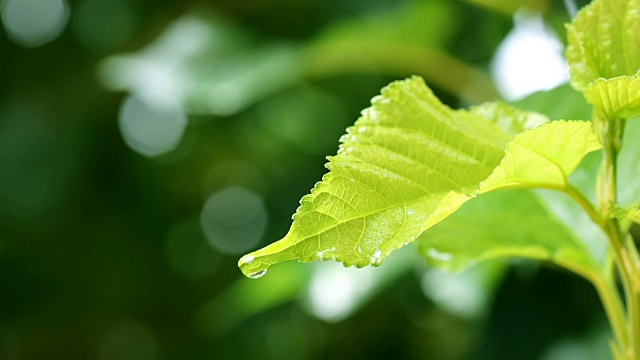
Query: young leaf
{"points": [[543, 157], [603, 41], [410, 162], [632, 214], [616, 98], [503, 224]]}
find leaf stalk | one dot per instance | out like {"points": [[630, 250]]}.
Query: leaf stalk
{"points": [[610, 132]]}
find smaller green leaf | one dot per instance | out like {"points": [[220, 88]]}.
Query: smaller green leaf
{"points": [[604, 42], [632, 214], [503, 224], [543, 157], [617, 97]]}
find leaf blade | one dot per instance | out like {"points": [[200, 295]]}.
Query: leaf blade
{"points": [[603, 41], [616, 97], [543, 157], [406, 164], [336, 220], [510, 223]]}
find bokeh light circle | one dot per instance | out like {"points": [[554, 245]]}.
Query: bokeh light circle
{"points": [[234, 220], [152, 125], [32, 23]]}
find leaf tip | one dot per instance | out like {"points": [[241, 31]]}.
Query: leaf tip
{"points": [[251, 268]]}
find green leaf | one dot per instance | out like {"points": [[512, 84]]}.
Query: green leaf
{"points": [[616, 98], [564, 102], [543, 157], [632, 214], [410, 162], [503, 224], [604, 42]]}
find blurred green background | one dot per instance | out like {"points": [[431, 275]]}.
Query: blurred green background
{"points": [[146, 145]]}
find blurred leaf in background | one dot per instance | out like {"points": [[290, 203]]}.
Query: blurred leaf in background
{"points": [[144, 145]]}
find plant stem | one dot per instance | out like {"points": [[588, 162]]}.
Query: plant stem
{"points": [[613, 307], [629, 278], [604, 283], [610, 132], [586, 205]]}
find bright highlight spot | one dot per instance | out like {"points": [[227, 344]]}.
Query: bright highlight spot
{"points": [[462, 294], [162, 67], [152, 125], [33, 23], [206, 64], [529, 59], [335, 291], [234, 220], [187, 251]]}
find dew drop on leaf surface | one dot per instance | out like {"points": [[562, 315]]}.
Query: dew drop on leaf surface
{"points": [[257, 274]]}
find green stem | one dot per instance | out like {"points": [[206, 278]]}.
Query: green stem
{"points": [[586, 205], [629, 278], [610, 132], [613, 308], [605, 285]]}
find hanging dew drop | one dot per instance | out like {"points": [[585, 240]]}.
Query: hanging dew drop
{"points": [[257, 274]]}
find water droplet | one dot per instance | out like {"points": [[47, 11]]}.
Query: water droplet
{"points": [[409, 212], [376, 259], [247, 260], [257, 274], [362, 129]]}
